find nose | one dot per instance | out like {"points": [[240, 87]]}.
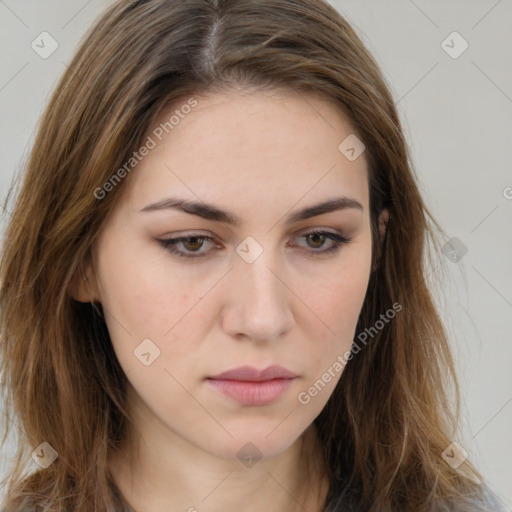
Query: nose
{"points": [[257, 300]]}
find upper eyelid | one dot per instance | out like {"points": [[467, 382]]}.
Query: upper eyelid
{"points": [[301, 232]]}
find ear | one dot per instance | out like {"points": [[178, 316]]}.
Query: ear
{"points": [[384, 218], [82, 287]]}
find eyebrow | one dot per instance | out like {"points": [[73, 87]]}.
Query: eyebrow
{"points": [[212, 212]]}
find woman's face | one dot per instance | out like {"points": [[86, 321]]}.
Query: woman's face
{"points": [[256, 293]]}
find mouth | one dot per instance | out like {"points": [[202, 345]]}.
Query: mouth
{"points": [[253, 387]]}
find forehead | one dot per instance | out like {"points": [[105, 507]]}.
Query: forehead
{"points": [[272, 146]]}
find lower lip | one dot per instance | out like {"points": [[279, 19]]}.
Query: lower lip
{"points": [[252, 393]]}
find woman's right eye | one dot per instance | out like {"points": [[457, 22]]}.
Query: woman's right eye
{"points": [[197, 242]]}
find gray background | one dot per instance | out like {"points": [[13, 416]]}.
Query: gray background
{"points": [[457, 114]]}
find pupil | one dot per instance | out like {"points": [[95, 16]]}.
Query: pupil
{"points": [[194, 239], [320, 237]]}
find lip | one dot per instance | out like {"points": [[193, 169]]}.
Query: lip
{"points": [[252, 392], [250, 386], [251, 374]]}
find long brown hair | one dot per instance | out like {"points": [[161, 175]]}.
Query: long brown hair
{"points": [[395, 409]]}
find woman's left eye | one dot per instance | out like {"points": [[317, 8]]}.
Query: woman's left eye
{"points": [[196, 242]]}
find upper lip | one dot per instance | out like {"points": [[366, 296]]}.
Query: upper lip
{"points": [[250, 374]]}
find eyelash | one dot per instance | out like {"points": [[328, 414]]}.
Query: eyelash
{"points": [[169, 244]]}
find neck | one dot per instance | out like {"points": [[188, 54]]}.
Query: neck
{"points": [[154, 477]]}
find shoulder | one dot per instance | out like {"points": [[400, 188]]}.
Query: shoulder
{"points": [[491, 501], [485, 501]]}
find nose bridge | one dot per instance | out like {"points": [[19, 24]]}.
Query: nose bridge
{"points": [[258, 302], [260, 281]]}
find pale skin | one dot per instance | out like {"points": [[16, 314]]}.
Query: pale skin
{"points": [[262, 156]]}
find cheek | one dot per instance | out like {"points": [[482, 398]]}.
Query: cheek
{"points": [[337, 303], [339, 295], [140, 290], [144, 300]]}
